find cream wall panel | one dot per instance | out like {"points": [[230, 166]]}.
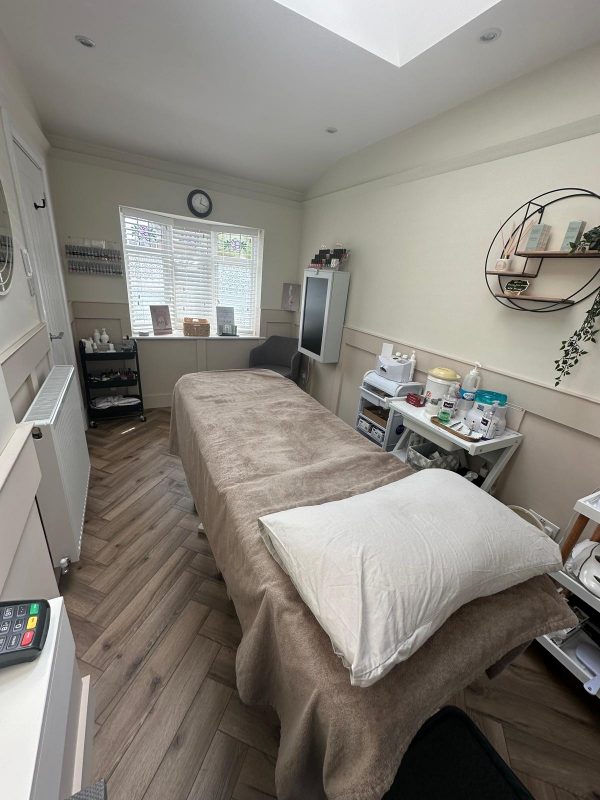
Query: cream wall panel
{"points": [[31, 573], [233, 354], [161, 366], [554, 466]]}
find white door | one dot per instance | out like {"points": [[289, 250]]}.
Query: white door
{"points": [[41, 245]]}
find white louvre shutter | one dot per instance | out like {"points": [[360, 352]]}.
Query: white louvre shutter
{"points": [[192, 267], [149, 267], [236, 258], [193, 275]]}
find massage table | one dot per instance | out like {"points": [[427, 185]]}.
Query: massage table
{"points": [[252, 443]]}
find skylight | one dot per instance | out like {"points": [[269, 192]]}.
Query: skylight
{"points": [[395, 30]]}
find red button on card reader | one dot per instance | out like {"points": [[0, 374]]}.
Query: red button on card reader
{"points": [[27, 638]]}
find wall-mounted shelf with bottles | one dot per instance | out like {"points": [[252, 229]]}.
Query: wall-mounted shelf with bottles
{"points": [[518, 222]]}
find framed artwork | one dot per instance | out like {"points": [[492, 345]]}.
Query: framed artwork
{"points": [[290, 297], [161, 320]]}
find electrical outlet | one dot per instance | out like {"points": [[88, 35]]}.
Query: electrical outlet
{"points": [[551, 529]]}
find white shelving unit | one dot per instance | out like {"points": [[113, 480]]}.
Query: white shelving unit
{"points": [[497, 451], [577, 588], [565, 653]]}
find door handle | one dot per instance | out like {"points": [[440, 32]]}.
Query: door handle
{"points": [[40, 205], [54, 336]]}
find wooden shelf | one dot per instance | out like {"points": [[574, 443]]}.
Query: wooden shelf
{"points": [[114, 383], [556, 254], [109, 355], [505, 274], [534, 298]]}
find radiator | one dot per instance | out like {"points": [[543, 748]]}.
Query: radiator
{"points": [[61, 448]]}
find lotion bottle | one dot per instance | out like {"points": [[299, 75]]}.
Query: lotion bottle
{"points": [[471, 383], [413, 364]]}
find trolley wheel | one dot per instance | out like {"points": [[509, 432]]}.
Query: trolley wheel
{"points": [[93, 424], [142, 418]]}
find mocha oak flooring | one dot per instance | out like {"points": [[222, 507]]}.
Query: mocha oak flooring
{"points": [[155, 630]]}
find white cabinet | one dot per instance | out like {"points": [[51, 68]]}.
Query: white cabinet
{"points": [[324, 297], [46, 725]]}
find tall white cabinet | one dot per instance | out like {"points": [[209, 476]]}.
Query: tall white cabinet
{"points": [[324, 298], [46, 724]]}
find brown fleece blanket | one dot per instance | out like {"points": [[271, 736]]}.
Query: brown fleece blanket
{"points": [[252, 443]]}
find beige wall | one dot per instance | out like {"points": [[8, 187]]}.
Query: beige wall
{"points": [[87, 194], [418, 211], [23, 352], [87, 191]]}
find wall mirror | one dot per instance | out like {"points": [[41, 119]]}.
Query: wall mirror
{"points": [[6, 246]]}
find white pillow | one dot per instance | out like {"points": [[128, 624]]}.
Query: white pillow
{"points": [[382, 571]]}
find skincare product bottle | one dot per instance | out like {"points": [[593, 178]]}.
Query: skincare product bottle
{"points": [[489, 422], [446, 411], [471, 383], [431, 407], [413, 364]]}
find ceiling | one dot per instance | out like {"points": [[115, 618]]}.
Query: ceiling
{"points": [[247, 87]]}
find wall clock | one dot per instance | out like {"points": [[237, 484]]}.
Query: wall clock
{"points": [[199, 203]]}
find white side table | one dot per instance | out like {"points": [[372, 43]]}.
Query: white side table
{"points": [[497, 452], [588, 508]]}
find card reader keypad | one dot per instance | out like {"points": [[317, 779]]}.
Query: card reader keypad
{"points": [[18, 626]]}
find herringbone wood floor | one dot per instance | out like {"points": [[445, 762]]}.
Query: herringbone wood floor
{"points": [[155, 630]]}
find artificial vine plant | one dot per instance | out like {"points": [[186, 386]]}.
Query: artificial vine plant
{"points": [[571, 348]]}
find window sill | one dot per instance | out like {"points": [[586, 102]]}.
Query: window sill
{"points": [[169, 337]]}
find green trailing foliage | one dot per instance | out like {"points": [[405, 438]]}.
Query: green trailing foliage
{"points": [[571, 348]]}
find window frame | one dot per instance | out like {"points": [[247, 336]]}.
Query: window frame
{"points": [[181, 222]]}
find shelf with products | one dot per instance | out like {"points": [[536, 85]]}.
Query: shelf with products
{"points": [[112, 406], [527, 225]]}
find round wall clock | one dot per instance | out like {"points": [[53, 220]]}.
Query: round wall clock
{"points": [[199, 203]]}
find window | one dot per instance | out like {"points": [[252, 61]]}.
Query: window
{"points": [[192, 267]]}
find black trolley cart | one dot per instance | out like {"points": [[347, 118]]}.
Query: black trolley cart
{"points": [[126, 363]]}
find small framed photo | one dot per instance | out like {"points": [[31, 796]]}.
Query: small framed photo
{"points": [[161, 320], [290, 297]]}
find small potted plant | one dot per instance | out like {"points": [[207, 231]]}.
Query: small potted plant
{"points": [[589, 241]]}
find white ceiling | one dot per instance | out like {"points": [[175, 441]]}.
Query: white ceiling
{"points": [[247, 87]]}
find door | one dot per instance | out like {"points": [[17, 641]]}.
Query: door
{"points": [[41, 245]]}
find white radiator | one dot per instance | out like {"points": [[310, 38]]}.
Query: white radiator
{"points": [[61, 448]]}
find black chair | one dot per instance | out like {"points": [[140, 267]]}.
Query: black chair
{"points": [[280, 354]]}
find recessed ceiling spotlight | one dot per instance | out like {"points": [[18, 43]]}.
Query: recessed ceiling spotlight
{"points": [[490, 35], [85, 41], [331, 129]]}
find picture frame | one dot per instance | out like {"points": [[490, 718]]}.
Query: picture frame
{"points": [[161, 320], [290, 297]]}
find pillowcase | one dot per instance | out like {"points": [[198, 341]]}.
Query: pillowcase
{"points": [[382, 571]]}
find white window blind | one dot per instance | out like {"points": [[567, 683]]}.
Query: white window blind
{"points": [[192, 267]]}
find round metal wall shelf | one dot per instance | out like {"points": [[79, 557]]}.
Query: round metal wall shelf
{"points": [[533, 211]]}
